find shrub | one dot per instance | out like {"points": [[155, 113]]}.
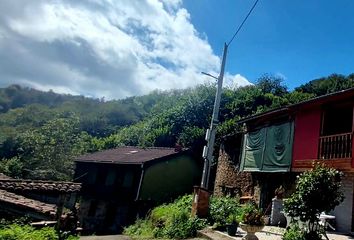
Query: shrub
{"points": [[142, 228], [17, 231], [182, 226], [232, 219], [172, 221], [294, 233], [221, 208], [317, 191], [252, 215]]}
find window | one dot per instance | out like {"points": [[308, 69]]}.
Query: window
{"points": [[337, 119], [336, 133]]}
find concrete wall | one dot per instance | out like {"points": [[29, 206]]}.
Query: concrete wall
{"points": [[344, 211], [170, 178]]}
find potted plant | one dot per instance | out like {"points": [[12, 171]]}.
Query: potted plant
{"points": [[220, 209], [231, 224], [252, 221]]}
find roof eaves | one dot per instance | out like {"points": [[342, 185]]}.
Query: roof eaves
{"points": [[264, 114], [294, 106], [110, 162], [83, 159]]}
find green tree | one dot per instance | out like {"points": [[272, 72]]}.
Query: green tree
{"points": [[326, 85], [317, 191], [272, 84], [48, 152]]}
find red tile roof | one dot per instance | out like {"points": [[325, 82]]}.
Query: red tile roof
{"points": [[20, 202], [128, 155], [18, 185]]}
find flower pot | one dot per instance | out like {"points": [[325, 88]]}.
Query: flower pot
{"points": [[250, 230], [231, 229]]}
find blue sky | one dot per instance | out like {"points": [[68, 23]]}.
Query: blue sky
{"points": [[302, 40], [116, 49]]}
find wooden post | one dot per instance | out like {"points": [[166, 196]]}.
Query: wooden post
{"points": [[60, 207], [200, 205]]}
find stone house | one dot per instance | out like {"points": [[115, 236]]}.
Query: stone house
{"points": [[120, 184], [277, 145]]}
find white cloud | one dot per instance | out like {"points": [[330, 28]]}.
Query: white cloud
{"points": [[280, 75], [103, 48], [235, 81]]}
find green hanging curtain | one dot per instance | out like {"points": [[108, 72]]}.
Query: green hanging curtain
{"points": [[268, 149], [253, 150]]}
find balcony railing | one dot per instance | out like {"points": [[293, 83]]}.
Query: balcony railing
{"points": [[336, 146]]}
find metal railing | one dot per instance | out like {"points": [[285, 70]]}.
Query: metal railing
{"points": [[336, 146]]}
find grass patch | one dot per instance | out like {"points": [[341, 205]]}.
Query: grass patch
{"points": [[17, 231]]}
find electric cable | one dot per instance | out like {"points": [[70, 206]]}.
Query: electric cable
{"points": [[243, 22]]}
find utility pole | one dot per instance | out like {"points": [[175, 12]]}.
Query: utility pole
{"points": [[201, 194], [200, 205], [211, 132]]}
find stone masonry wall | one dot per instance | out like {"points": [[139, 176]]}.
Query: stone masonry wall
{"points": [[228, 179]]}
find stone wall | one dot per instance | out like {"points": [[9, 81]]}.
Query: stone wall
{"points": [[228, 179]]}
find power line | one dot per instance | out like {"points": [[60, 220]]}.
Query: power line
{"points": [[243, 22]]}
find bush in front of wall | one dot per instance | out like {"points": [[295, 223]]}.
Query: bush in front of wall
{"points": [[172, 221], [221, 208], [317, 191]]}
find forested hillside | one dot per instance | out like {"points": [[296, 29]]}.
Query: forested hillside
{"points": [[42, 132]]}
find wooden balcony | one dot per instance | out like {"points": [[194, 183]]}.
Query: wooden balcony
{"points": [[338, 146]]}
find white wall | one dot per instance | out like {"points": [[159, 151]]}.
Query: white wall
{"points": [[343, 212]]}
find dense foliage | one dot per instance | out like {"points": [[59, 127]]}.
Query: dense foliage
{"points": [[294, 232], [317, 191], [26, 232], [42, 129], [174, 220], [325, 85], [171, 221], [223, 210], [47, 152], [252, 215]]}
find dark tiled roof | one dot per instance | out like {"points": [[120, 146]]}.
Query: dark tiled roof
{"points": [[21, 202], [33, 185], [127, 155]]}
